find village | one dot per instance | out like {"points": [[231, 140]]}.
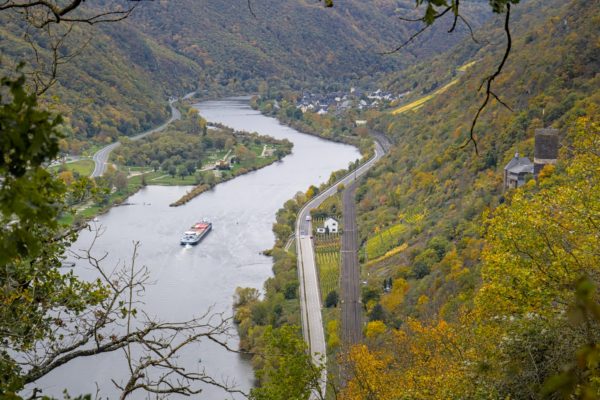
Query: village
{"points": [[338, 102]]}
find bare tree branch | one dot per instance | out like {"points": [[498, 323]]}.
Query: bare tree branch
{"points": [[406, 42], [419, 32], [44, 73], [43, 12], [250, 8], [464, 20], [488, 82], [456, 14], [43, 15], [111, 16], [151, 347]]}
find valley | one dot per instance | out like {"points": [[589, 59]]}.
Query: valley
{"points": [[402, 195]]}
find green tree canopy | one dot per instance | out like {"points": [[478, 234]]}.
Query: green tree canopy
{"points": [[31, 240], [288, 372]]}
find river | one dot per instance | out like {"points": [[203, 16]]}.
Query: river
{"points": [[188, 280]]}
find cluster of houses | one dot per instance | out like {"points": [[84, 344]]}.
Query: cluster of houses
{"points": [[519, 169], [341, 101]]}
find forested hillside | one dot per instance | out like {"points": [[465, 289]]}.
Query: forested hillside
{"points": [[482, 277], [114, 78], [291, 42], [470, 290], [117, 83]]}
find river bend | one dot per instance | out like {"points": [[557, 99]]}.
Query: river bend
{"points": [[188, 280]]}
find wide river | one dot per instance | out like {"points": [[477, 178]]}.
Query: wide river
{"points": [[186, 281]]}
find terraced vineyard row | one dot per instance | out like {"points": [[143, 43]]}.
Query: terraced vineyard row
{"points": [[329, 271], [383, 241], [327, 254]]}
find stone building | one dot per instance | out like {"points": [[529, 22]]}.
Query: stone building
{"points": [[545, 152], [546, 149], [516, 171]]}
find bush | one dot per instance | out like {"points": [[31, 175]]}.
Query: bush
{"points": [[423, 263], [290, 291], [260, 313], [439, 245], [370, 293], [332, 299], [377, 313]]}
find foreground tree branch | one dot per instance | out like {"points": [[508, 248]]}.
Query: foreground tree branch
{"points": [[44, 12], [431, 15], [150, 346], [428, 24], [44, 73], [56, 20], [489, 94]]}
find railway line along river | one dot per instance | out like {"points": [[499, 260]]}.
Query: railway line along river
{"points": [[186, 281]]}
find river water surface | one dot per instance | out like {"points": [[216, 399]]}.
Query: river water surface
{"points": [[189, 280]]}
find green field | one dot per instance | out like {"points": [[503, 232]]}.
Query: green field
{"points": [[81, 167], [381, 242], [161, 178]]}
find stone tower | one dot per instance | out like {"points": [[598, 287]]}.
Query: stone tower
{"points": [[546, 148]]}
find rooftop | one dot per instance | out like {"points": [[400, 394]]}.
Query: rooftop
{"points": [[519, 165]]}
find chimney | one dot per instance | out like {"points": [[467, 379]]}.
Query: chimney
{"points": [[546, 149]]}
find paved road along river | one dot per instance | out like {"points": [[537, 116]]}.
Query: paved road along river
{"points": [[188, 280], [100, 158]]}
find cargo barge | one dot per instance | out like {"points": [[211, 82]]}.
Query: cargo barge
{"points": [[196, 233]]}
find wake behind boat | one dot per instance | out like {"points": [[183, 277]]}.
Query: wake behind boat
{"points": [[196, 233]]}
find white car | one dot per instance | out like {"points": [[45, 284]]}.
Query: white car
{"points": [[308, 218]]}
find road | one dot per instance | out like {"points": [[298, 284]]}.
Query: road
{"points": [[310, 300], [350, 274], [101, 156]]}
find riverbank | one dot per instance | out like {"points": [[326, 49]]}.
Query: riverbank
{"points": [[285, 294], [324, 126], [290, 285], [87, 211], [190, 152], [233, 173], [187, 281]]}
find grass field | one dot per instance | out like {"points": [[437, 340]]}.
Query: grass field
{"points": [[388, 254], [82, 167], [161, 178], [327, 254], [465, 67], [415, 105], [419, 102], [383, 241], [412, 106]]}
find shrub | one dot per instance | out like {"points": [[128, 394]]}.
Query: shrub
{"points": [[332, 299]]}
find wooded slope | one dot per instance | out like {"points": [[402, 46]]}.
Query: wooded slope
{"points": [[423, 218]]}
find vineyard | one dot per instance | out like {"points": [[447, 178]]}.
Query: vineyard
{"points": [[387, 255], [383, 241], [327, 253]]}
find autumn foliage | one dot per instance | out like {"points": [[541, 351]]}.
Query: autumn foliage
{"points": [[533, 327]]}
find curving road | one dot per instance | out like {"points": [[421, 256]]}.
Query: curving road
{"points": [[310, 300], [101, 156]]}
